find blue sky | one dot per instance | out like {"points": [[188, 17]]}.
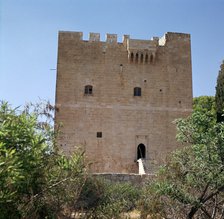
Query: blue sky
{"points": [[29, 31]]}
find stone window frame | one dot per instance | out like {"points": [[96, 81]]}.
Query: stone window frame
{"points": [[88, 90], [137, 92], [99, 134]]}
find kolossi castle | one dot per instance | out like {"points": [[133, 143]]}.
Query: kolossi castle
{"points": [[118, 99]]}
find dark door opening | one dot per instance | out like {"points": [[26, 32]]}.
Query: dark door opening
{"points": [[141, 151]]}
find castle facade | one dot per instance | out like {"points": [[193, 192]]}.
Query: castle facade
{"points": [[118, 99]]}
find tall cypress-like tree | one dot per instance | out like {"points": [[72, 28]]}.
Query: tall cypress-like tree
{"points": [[219, 96]]}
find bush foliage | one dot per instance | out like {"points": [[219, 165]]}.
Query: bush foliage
{"points": [[37, 181], [191, 183]]}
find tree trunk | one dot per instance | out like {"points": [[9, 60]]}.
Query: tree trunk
{"points": [[192, 212]]}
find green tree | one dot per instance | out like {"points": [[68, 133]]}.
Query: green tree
{"points": [[36, 180], [191, 184], [219, 96], [205, 104]]}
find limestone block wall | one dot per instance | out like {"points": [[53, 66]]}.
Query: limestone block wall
{"points": [[109, 121]]}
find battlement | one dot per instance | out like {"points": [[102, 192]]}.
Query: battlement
{"points": [[131, 43], [139, 51], [173, 36], [94, 37], [70, 35]]}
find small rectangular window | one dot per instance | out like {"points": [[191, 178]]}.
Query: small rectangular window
{"points": [[88, 90], [99, 134], [137, 91]]}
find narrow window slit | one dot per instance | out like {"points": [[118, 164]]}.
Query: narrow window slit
{"points": [[146, 58]]}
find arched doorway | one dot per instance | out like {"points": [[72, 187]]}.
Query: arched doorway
{"points": [[141, 151]]}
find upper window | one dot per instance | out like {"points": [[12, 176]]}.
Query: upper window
{"points": [[88, 89], [137, 91]]}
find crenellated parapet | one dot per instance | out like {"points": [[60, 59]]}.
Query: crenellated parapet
{"points": [[131, 44], [138, 51]]}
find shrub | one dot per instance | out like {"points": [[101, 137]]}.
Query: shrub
{"points": [[36, 180], [104, 199]]}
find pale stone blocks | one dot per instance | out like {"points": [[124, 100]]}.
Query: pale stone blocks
{"points": [[125, 120]]}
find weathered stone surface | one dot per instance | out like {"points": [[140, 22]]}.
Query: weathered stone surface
{"points": [[160, 67]]}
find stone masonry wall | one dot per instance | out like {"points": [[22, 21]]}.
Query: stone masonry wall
{"points": [[160, 67]]}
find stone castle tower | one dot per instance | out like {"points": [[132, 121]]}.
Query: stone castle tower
{"points": [[118, 100]]}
